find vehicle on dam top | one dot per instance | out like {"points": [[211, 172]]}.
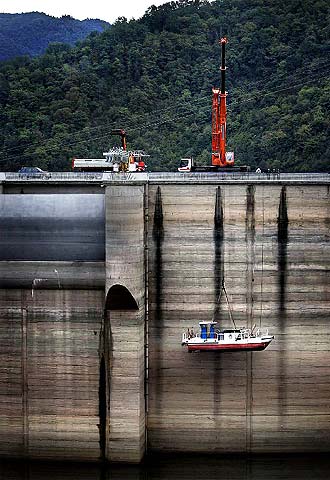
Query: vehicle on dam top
{"points": [[188, 165], [117, 159], [227, 339], [33, 172], [222, 161]]}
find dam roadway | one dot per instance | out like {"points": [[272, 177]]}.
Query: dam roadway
{"points": [[101, 273]]}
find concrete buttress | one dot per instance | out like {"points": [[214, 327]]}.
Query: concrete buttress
{"points": [[125, 323]]}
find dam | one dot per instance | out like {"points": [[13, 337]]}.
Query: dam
{"points": [[100, 274]]}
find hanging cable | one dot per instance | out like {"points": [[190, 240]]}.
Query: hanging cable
{"points": [[228, 304], [262, 254]]}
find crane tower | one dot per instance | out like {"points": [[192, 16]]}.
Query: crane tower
{"points": [[220, 157]]}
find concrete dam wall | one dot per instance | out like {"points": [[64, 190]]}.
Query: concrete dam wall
{"points": [[100, 275]]}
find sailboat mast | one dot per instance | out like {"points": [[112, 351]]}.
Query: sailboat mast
{"points": [[228, 305]]}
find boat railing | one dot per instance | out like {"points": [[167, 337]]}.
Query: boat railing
{"points": [[188, 335], [246, 332], [250, 332], [261, 331]]}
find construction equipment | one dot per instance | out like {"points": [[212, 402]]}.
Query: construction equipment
{"points": [[122, 133], [221, 159], [117, 159]]}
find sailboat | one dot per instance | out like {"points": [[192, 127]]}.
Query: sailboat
{"points": [[226, 340]]}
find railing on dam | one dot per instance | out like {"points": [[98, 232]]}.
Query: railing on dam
{"points": [[53, 176], [166, 177], [243, 177]]}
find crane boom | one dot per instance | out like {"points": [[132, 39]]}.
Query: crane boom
{"points": [[220, 157], [122, 133]]}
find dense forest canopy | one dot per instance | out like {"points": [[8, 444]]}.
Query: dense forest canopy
{"points": [[31, 33], [153, 77]]}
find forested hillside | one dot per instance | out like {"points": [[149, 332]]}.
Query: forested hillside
{"points": [[31, 33], [154, 76]]}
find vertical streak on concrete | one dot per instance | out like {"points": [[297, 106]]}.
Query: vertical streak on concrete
{"points": [[104, 380], [24, 363], [218, 238], [158, 238], [250, 262], [146, 306], [250, 246], [218, 251], [104, 388], [103, 406], [282, 238], [105, 351]]}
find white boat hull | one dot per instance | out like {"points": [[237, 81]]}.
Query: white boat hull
{"points": [[252, 345]]}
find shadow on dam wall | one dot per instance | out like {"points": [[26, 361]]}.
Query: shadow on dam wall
{"points": [[218, 238], [158, 238], [282, 239]]}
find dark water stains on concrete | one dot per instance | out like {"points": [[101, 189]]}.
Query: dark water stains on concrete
{"points": [[102, 407], [250, 228], [218, 238], [282, 239], [158, 238], [282, 219], [327, 218], [250, 232], [250, 249], [106, 362]]}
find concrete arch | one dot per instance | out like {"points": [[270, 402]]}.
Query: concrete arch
{"points": [[120, 298], [121, 392]]}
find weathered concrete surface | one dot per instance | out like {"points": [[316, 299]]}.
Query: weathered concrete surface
{"points": [[49, 373], [271, 245], [72, 349], [52, 275]]}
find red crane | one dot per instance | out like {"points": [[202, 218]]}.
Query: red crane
{"points": [[220, 157]]}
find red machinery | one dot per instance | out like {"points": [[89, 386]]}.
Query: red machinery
{"points": [[122, 133], [219, 113], [221, 159], [117, 159]]}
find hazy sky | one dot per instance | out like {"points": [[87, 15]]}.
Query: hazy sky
{"points": [[107, 10]]}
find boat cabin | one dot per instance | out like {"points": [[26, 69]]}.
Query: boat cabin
{"points": [[207, 330], [229, 334]]}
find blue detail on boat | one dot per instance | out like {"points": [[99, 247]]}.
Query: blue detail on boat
{"points": [[211, 331], [204, 332]]}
